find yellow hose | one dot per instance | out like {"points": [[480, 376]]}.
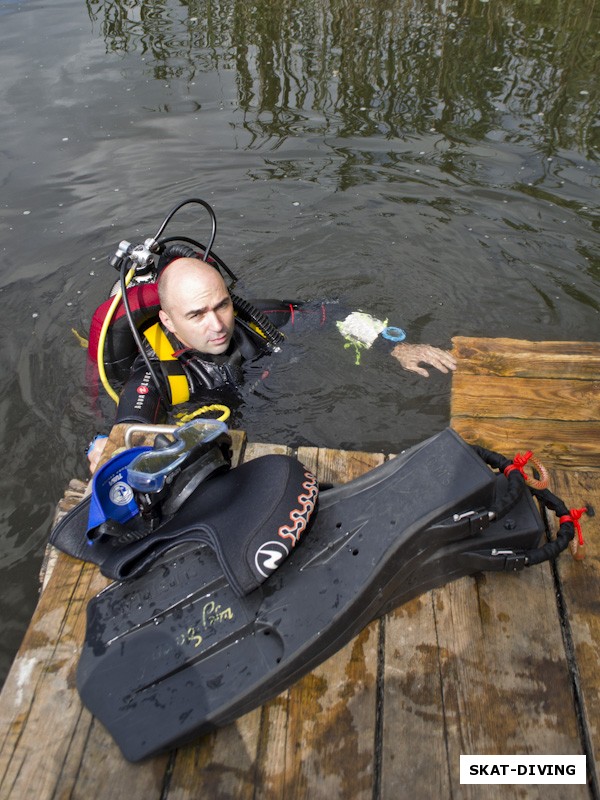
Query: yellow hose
{"points": [[103, 331], [225, 413]]}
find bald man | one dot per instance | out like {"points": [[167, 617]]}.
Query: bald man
{"points": [[198, 348], [196, 306]]}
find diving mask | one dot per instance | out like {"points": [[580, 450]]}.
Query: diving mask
{"points": [[148, 472]]}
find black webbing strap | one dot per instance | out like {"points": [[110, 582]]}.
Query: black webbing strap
{"points": [[516, 484]]}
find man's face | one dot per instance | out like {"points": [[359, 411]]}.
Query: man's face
{"points": [[200, 313]]}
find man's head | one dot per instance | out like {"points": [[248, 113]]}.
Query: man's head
{"points": [[196, 306]]}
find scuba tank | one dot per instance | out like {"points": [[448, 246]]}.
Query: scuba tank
{"points": [[133, 305]]}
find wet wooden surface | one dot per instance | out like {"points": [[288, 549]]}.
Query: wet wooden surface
{"points": [[545, 395], [495, 663]]}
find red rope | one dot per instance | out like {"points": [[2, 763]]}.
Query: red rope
{"points": [[518, 464], [574, 516]]}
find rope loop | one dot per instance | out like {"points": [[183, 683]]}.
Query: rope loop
{"points": [[519, 463], [517, 481], [574, 516]]}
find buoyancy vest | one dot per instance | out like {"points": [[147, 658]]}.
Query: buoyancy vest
{"points": [[185, 374], [188, 373], [120, 349], [172, 369]]}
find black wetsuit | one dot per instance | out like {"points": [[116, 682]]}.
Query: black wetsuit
{"points": [[210, 378], [216, 379]]}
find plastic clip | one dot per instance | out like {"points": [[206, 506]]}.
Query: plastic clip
{"points": [[475, 521], [513, 562], [462, 526]]}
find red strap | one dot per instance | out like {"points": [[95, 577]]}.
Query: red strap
{"points": [[519, 462], [574, 516]]}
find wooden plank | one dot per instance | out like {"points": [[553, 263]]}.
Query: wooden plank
{"points": [[99, 770], [580, 583], [54, 747], [508, 414], [519, 358], [414, 755], [510, 395], [220, 766], [258, 449], [472, 669], [569, 445], [505, 673], [524, 398], [74, 494], [39, 700], [318, 738], [328, 749]]}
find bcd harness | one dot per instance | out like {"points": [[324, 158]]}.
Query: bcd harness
{"points": [[172, 370], [181, 367]]}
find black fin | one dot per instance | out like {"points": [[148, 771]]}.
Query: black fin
{"points": [[175, 653]]}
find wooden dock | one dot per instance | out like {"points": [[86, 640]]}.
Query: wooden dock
{"points": [[492, 664]]}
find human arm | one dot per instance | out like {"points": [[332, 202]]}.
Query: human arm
{"points": [[412, 356], [362, 330], [139, 402], [95, 451]]}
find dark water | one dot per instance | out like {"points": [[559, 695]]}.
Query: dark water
{"points": [[433, 162]]}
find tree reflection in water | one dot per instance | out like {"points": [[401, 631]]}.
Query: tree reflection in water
{"points": [[385, 68]]}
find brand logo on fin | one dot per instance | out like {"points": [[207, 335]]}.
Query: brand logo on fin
{"points": [[269, 556]]}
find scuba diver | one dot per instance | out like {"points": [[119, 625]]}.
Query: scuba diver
{"points": [[201, 344]]}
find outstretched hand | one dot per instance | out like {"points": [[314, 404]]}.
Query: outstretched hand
{"points": [[411, 356]]}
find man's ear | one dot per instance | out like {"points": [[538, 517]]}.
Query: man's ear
{"points": [[166, 320]]}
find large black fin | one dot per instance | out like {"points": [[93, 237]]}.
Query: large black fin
{"points": [[175, 653]]}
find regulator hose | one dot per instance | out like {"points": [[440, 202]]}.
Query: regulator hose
{"points": [[102, 340], [213, 256], [138, 339], [183, 203], [272, 333]]}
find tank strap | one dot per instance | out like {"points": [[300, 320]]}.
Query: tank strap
{"points": [[172, 369]]}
